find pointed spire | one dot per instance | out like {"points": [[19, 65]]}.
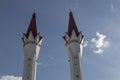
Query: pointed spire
{"points": [[32, 26], [72, 25]]}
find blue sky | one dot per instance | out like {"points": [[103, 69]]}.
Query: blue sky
{"points": [[99, 20]]}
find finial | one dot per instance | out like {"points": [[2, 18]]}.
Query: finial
{"points": [[70, 13], [35, 10], [70, 9]]}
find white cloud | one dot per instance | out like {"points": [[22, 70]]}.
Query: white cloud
{"points": [[85, 44], [98, 51], [112, 7], [10, 77], [39, 63], [100, 43], [115, 9], [52, 58]]}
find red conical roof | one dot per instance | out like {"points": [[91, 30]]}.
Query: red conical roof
{"points": [[32, 26], [72, 25]]}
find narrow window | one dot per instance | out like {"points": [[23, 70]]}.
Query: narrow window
{"points": [[75, 64], [77, 76], [27, 77], [75, 57], [29, 59]]}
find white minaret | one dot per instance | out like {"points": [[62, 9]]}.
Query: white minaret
{"points": [[32, 43], [74, 43]]}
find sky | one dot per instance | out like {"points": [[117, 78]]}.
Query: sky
{"points": [[99, 21]]}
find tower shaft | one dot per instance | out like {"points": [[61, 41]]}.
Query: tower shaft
{"points": [[29, 71], [75, 60]]}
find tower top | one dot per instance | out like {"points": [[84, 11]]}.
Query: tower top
{"points": [[32, 26], [72, 25]]}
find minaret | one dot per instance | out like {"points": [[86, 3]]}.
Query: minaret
{"points": [[32, 43], [74, 43]]}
